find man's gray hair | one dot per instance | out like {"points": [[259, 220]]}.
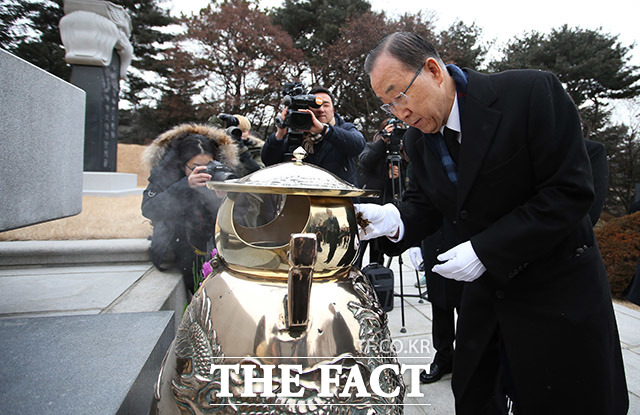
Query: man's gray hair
{"points": [[409, 48]]}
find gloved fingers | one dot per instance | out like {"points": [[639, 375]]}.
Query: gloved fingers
{"points": [[468, 267], [392, 211], [370, 232], [376, 220], [472, 272], [470, 277], [361, 220], [414, 250], [446, 256], [461, 264], [366, 215], [415, 254], [445, 269], [467, 273]]}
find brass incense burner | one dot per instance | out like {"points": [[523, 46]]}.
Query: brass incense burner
{"points": [[283, 296]]}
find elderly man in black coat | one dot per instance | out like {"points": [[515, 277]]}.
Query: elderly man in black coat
{"points": [[502, 158]]}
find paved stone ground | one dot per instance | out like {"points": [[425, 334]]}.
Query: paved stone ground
{"points": [[88, 289], [64, 290]]}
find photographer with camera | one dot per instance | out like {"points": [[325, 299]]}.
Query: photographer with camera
{"points": [[238, 127], [310, 121], [182, 210], [381, 166]]}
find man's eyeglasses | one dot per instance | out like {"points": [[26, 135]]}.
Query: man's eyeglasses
{"points": [[401, 99]]}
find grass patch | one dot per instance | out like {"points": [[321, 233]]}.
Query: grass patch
{"points": [[101, 217]]}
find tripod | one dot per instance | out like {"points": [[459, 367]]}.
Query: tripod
{"points": [[395, 163]]}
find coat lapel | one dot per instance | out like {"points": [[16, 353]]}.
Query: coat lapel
{"points": [[479, 124]]}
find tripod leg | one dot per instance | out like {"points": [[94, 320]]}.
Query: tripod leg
{"points": [[421, 301], [396, 187], [403, 329], [401, 295]]}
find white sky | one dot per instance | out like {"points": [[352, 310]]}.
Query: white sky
{"points": [[501, 20]]}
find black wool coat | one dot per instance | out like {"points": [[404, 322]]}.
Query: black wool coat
{"points": [[523, 197]]}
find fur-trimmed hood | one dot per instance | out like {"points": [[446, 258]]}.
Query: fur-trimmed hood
{"points": [[226, 148]]}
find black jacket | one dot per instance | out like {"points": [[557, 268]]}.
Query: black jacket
{"points": [[373, 173], [337, 152]]}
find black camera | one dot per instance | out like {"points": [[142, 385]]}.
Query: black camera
{"points": [[229, 120], [231, 127], [235, 133], [395, 136], [295, 100], [219, 172], [295, 120]]}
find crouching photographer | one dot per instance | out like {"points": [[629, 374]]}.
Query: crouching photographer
{"points": [[309, 120], [182, 210]]}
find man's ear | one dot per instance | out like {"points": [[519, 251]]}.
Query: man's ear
{"points": [[431, 66]]}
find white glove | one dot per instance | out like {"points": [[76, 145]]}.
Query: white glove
{"points": [[382, 220], [415, 254], [462, 263]]}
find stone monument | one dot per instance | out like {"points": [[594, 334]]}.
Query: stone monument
{"points": [[96, 35], [41, 130]]}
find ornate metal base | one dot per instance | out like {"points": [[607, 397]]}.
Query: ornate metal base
{"points": [[233, 320]]}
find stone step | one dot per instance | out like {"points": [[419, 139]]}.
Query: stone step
{"points": [[155, 290], [110, 184], [20, 253], [89, 364]]}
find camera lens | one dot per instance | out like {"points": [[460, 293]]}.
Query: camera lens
{"points": [[300, 120], [219, 172]]}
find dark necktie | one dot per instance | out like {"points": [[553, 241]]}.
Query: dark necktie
{"points": [[451, 139]]}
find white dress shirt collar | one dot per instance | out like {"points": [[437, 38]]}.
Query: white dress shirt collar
{"points": [[453, 122]]}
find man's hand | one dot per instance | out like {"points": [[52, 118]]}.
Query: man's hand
{"points": [[462, 263], [281, 132], [316, 125], [394, 171], [376, 220]]}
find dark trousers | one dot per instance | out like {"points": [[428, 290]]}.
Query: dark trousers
{"points": [[444, 334], [492, 382]]}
